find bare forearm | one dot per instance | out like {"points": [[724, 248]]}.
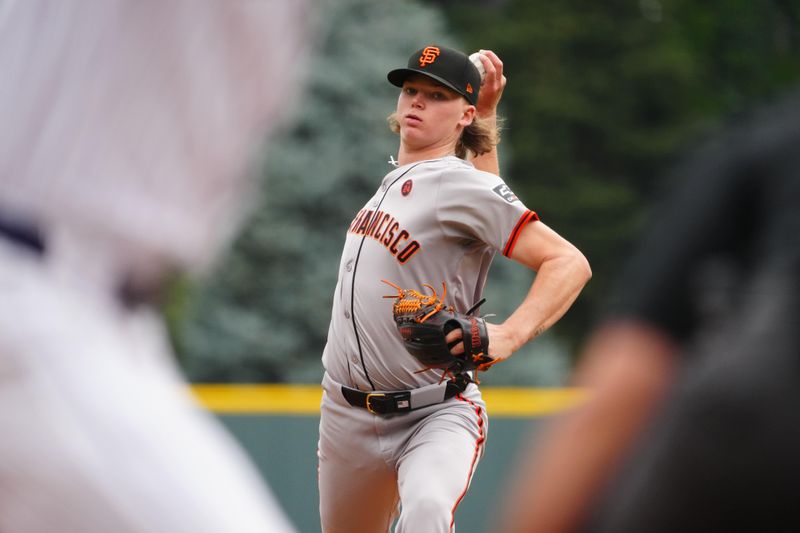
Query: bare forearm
{"points": [[488, 162], [557, 285], [491, 91]]}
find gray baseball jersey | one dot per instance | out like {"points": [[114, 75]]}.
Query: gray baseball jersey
{"points": [[429, 222]]}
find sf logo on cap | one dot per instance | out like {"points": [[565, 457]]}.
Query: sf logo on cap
{"points": [[429, 55]]}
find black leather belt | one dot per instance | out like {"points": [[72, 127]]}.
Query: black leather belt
{"points": [[393, 402]]}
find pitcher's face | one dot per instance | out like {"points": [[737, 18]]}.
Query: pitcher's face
{"points": [[430, 114]]}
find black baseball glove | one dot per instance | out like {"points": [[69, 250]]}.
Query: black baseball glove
{"points": [[424, 321]]}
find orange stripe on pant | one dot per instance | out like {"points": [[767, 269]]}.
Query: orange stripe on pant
{"points": [[478, 450]]}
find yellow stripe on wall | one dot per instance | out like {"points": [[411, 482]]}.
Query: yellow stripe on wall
{"points": [[305, 399], [517, 401], [260, 399]]}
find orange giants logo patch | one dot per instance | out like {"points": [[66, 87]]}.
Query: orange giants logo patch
{"points": [[429, 55], [406, 189]]}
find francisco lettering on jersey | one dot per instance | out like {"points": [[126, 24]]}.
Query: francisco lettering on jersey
{"points": [[386, 230], [506, 193]]}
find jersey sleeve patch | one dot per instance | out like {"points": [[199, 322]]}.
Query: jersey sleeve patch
{"points": [[504, 192], [528, 216]]}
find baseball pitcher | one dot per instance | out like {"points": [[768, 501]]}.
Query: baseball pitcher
{"points": [[403, 425]]}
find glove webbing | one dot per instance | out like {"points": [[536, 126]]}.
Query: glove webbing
{"points": [[417, 300]]}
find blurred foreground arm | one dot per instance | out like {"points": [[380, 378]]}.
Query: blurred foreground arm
{"points": [[626, 367]]}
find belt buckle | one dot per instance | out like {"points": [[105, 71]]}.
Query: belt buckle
{"points": [[371, 395]]}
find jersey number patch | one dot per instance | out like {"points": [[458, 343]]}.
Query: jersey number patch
{"points": [[505, 193]]}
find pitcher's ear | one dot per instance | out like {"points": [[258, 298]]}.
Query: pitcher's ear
{"points": [[468, 116]]}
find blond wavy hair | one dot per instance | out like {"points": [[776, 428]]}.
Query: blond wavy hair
{"points": [[478, 138]]}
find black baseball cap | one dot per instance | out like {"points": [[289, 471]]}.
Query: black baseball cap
{"points": [[449, 67]]}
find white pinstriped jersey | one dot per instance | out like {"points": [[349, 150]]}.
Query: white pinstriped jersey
{"points": [[132, 124], [125, 131], [432, 221]]}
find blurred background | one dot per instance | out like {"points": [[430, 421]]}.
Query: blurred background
{"points": [[600, 98]]}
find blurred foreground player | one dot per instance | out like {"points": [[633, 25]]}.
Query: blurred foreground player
{"points": [[694, 378], [125, 137]]}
